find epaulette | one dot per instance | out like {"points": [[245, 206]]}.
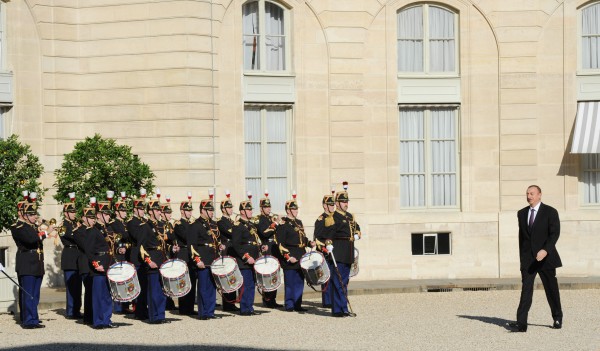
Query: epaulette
{"points": [[236, 223], [320, 218], [141, 224], [329, 221], [177, 222], [218, 219]]}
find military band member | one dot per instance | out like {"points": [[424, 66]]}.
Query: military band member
{"points": [[153, 253], [205, 248], [267, 225], [138, 228], [122, 245], [292, 245], [99, 255], [181, 231], [320, 236], [68, 262], [30, 261], [225, 224], [246, 247], [169, 236], [344, 231]]}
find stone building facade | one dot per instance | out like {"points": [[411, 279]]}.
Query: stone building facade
{"points": [[438, 114]]}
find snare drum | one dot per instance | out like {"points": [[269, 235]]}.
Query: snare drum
{"points": [[314, 267], [268, 273], [123, 282], [175, 278], [354, 266], [227, 275]]}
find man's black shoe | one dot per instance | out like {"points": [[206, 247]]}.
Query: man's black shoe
{"points": [[33, 326], [160, 321], [339, 314], [350, 314], [557, 324], [300, 309], [289, 310], [518, 327], [327, 306], [231, 309], [252, 313]]}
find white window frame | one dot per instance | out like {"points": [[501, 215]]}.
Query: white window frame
{"points": [[580, 70], [427, 155], [583, 185], [426, 56], [2, 35], [264, 145], [262, 46], [436, 245]]}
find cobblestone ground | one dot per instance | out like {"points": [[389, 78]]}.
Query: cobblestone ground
{"points": [[420, 321]]}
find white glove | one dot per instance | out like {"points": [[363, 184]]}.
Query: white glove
{"points": [[329, 248], [356, 237]]}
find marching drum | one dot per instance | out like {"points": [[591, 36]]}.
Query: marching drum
{"points": [[314, 267], [354, 266], [123, 282], [227, 275], [268, 273], [175, 277]]}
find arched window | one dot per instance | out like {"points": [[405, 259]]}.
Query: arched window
{"points": [[590, 37], [427, 40], [265, 37]]}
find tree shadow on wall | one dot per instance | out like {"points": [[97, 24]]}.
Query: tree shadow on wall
{"points": [[53, 272]]}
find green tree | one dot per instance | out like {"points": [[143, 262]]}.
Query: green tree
{"points": [[20, 170], [97, 165]]}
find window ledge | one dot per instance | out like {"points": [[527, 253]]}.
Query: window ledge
{"points": [[269, 74]]}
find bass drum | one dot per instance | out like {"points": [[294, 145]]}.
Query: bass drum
{"points": [[123, 282], [354, 266], [175, 277]]}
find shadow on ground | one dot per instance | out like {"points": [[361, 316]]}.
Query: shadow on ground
{"points": [[121, 347]]}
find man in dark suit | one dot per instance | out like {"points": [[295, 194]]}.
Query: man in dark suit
{"points": [[539, 229]]}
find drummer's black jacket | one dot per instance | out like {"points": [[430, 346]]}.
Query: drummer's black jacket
{"points": [[70, 253], [119, 228], [180, 234], [152, 244], [292, 240], [137, 228], [342, 235], [322, 233], [80, 237], [96, 249], [225, 225], [244, 240], [30, 253], [202, 241]]}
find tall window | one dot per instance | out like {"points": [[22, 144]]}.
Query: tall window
{"points": [[591, 178], [265, 40], [267, 135], [429, 157], [427, 40], [590, 37]]}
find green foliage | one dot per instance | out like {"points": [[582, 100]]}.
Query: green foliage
{"points": [[19, 170], [97, 165]]}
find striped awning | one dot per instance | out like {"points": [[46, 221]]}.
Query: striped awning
{"points": [[586, 138]]}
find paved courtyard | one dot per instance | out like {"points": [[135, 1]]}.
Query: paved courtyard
{"points": [[468, 320]]}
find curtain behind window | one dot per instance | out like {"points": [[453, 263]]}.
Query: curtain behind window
{"points": [[251, 36], [591, 178], [277, 156], [410, 40], [274, 37], [441, 40], [443, 157], [590, 42], [412, 158], [252, 138]]}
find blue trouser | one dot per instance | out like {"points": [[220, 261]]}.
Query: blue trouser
{"points": [[340, 303], [186, 302], [294, 286], [247, 302], [326, 294], [141, 303], [101, 302], [157, 301], [73, 285], [88, 316], [29, 306], [207, 293]]}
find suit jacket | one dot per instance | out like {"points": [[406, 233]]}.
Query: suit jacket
{"points": [[543, 234]]}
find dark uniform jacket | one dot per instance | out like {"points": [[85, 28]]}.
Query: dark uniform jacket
{"points": [[70, 253], [342, 233], [80, 236], [225, 225], [292, 240], [245, 240], [180, 236], [137, 228], [97, 250], [119, 228], [543, 234], [203, 241], [322, 233], [150, 242], [30, 249]]}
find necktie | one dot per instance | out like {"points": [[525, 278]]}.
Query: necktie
{"points": [[531, 217]]}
